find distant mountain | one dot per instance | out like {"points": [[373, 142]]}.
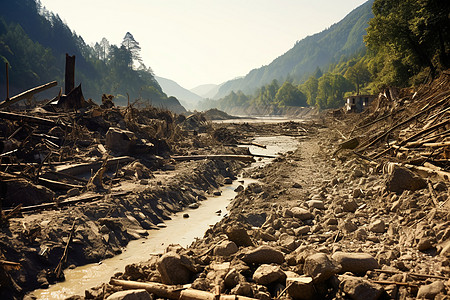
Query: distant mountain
{"points": [[206, 90], [319, 50], [34, 43], [171, 88]]}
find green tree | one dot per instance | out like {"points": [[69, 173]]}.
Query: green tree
{"points": [[104, 47], [411, 34], [310, 88], [318, 73], [331, 90], [133, 47], [358, 74], [289, 95]]}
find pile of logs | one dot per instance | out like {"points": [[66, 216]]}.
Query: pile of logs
{"points": [[412, 128]]}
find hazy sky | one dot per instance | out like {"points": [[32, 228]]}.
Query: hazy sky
{"points": [[197, 42]]}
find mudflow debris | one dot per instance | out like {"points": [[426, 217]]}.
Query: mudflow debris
{"points": [[358, 211]]}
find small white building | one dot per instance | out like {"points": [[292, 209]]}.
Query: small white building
{"points": [[358, 103]]}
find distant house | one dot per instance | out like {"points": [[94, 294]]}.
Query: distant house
{"points": [[358, 103]]}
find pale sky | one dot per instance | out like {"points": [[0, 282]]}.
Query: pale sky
{"points": [[196, 42]]}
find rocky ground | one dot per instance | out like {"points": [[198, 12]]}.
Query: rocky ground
{"points": [[325, 222], [316, 227]]}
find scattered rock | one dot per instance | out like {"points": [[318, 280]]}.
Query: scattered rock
{"points": [[401, 179], [239, 236], [175, 269], [225, 248], [360, 289], [301, 288], [240, 188], [263, 255], [302, 230], [357, 193], [320, 267], [350, 205], [267, 274], [316, 204], [194, 205], [378, 226], [120, 141], [243, 289], [301, 213], [357, 263], [430, 291]]}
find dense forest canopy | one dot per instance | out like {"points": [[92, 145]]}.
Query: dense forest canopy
{"points": [[408, 41], [34, 41]]}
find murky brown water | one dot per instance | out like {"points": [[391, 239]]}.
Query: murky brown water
{"points": [[179, 231]]}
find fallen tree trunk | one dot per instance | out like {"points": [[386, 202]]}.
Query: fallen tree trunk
{"points": [[30, 119], [248, 158], [191, 294], [65, 203], [58, 185], [87, 167], [436, 145], [424, 110], [430, 172], [159, 289], [174, 292], [27, 94]]}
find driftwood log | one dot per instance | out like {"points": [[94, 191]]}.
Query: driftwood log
{"points": [[27, 94], [81, 168], [248, 158], [174, 292]]}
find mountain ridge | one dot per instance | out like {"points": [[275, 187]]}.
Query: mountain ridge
{"points": [[318, 50], [206, 90], [172, 88]]}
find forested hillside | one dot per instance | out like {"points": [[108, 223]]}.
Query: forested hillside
{"points": [[34, 41], [318, 50], [407, 43]]}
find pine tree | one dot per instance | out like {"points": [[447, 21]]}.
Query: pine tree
{"points": [[133, 47]]}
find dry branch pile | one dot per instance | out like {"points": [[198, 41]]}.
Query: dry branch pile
{"points": [[408, 127]]}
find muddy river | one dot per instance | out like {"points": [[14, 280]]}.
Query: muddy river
{"points": [[179, 230]]}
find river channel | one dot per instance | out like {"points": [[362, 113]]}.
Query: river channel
{"points": [[179, 230]]}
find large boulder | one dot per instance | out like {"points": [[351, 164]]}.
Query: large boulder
{"points": [[239, 236], [357, 263], [401, 179], [301, 288], [357, 288], [175, 269], [263, 255], [267, 274], [430, 291], [320, 267], [120, 141]]}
